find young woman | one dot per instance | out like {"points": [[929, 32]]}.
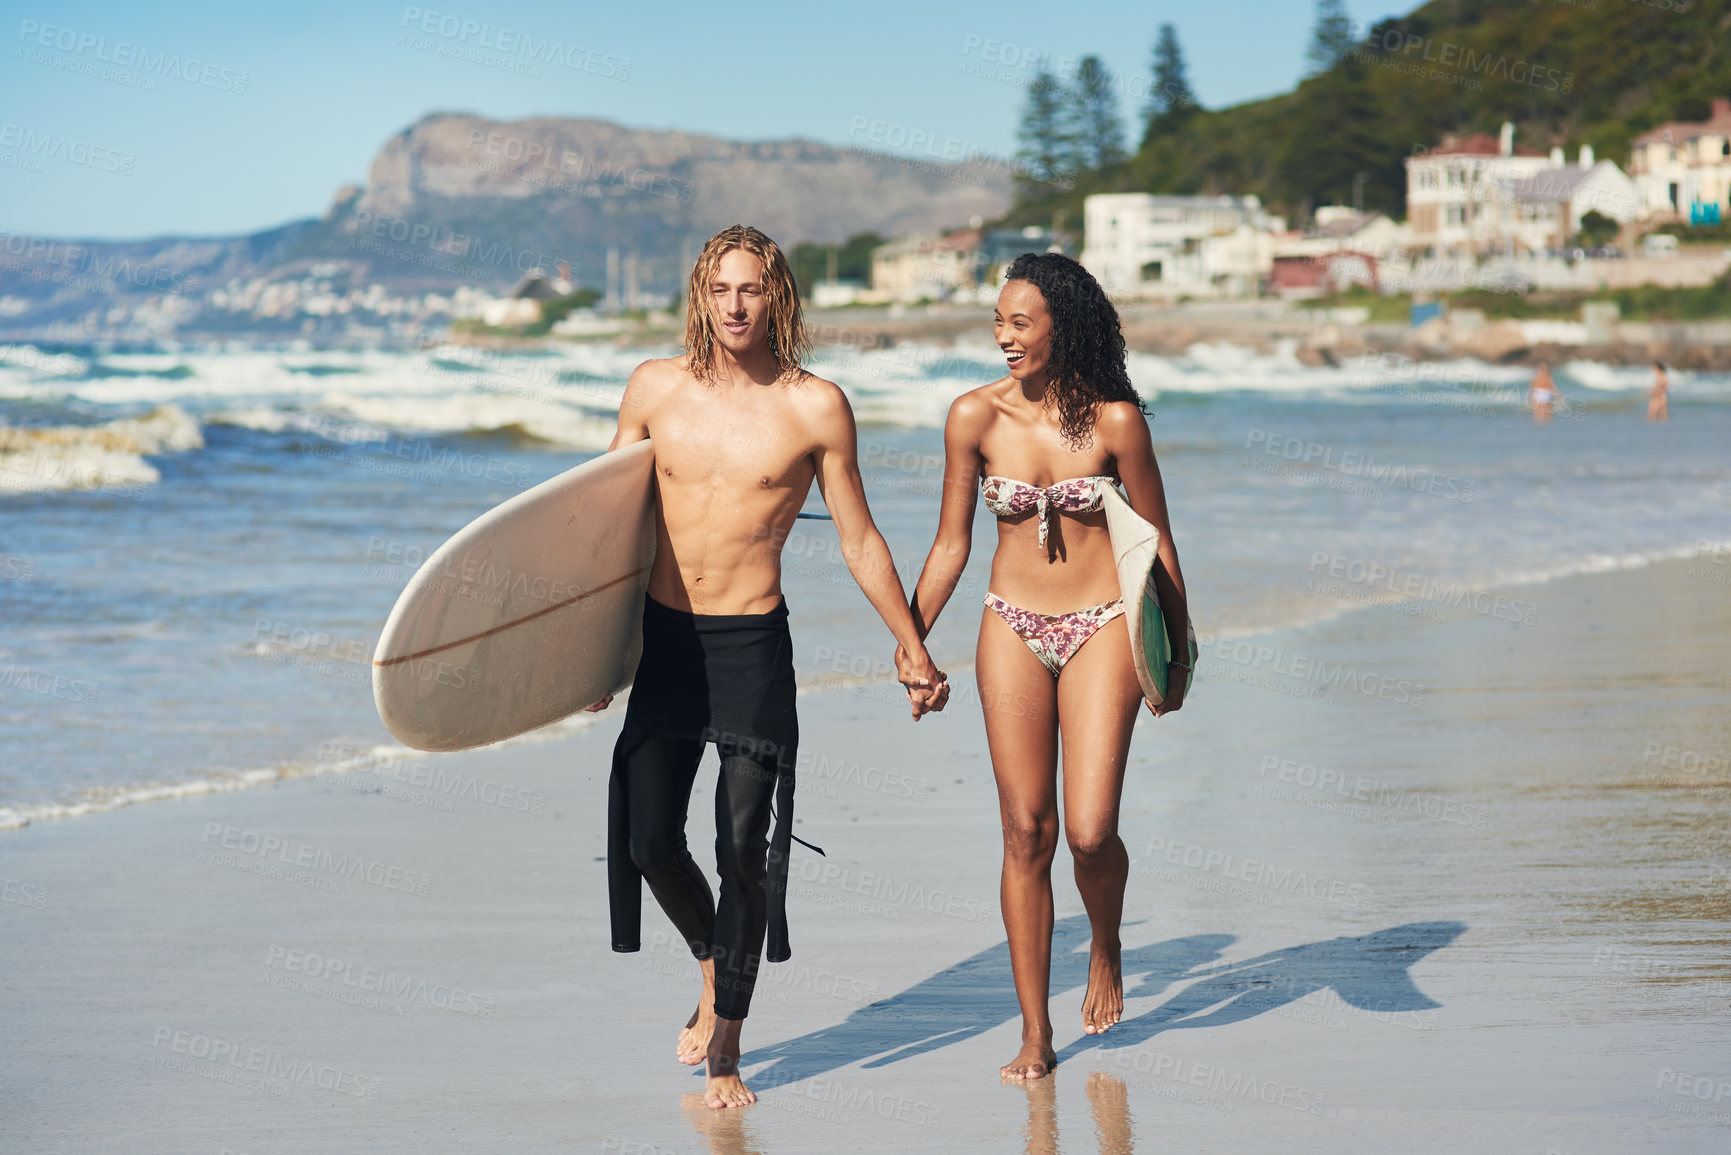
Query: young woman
{"points": [[1054, 666]]}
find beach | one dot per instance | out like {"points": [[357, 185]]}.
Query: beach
{"points": [[1396, 884]]}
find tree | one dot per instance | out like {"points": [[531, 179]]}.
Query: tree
{"points": [[1170, 101], [1597, 230], [1331, 39], [1047, 134], [1100, 131]]}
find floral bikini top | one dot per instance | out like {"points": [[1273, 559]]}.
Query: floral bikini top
{"points": [[1006, 497]]}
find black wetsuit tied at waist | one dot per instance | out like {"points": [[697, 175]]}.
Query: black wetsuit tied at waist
{"points": [[703, 678]]}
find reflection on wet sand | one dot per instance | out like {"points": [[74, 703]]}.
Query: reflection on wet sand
{"points": [[727, 1132], [1108, 1101]]}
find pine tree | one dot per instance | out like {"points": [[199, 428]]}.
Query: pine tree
{"points": [[1170, 101], [1047, 133], [1100, 131], [1331, 39]]}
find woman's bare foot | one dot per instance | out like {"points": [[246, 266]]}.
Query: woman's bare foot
{"points": [[694, 1039], [1035, 1060], [723, 1088], [1103, 1005]]}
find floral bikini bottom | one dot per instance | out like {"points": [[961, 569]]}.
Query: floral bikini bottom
{"points": [[1055, 639]]}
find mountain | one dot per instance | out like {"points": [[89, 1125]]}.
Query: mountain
{"points": [[1566, 72], [460, 200]]}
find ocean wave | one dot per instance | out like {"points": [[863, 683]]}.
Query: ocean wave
{"points": [[484, 412], [100, 799], [106, 456]]}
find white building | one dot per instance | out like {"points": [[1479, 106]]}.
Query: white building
{"points": [[1456, 193], [1544, 211], [1681, 167], [1144, 245]]}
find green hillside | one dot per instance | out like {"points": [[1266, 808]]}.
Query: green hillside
{"points": [[1567, 72]]}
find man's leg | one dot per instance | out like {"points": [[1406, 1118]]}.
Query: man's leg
{"points": [[652, 779], [743, 795]]}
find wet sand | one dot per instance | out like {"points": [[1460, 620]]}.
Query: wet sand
{"points": [[1397, 884]]}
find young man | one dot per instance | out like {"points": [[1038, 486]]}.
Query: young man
{"points": [[740, 432]]}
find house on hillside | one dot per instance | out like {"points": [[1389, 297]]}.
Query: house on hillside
{"points": [[1455, 192], [1544, 211], [522, 306], [1683, 169], [999, 247], [926, 266], [1148, 245]]}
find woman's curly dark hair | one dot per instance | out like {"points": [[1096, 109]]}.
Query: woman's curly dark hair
{"points": [[1086, 366]]}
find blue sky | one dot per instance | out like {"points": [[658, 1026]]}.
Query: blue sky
{"points": [[258, 114]]}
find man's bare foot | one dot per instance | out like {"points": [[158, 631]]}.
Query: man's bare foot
{"points": [[723, 1088], [694, 1039], [1035, 1060], [1103, 1005]]}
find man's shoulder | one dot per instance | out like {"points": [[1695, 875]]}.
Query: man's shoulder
{"points": [[818, 398], [661, 372]]}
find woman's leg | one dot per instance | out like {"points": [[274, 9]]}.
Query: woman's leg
{"points": [[1021, 711], [1098, 697]]}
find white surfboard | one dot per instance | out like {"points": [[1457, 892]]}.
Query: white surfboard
{"points": [[530, 613], [1135, 546]]}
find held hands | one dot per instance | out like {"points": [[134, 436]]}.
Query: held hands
{"points": [[928, 687]]}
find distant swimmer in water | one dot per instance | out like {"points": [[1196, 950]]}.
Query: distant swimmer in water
{"points": [[1542, 395], [1658, 401], [1053, 663]]}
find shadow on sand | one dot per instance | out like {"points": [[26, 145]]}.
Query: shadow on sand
{"points": [[977, 994]]}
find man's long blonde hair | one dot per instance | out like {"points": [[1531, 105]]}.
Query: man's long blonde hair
{"points": [[787, 338]]}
